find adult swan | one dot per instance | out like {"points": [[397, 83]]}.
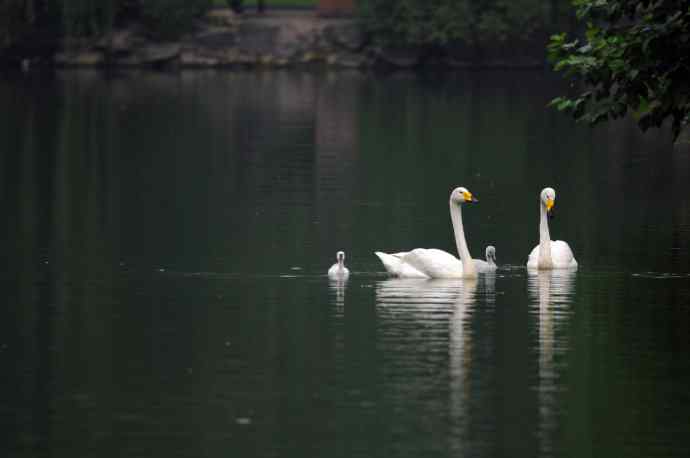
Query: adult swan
{"points": [[433, 263], [549, 254]]}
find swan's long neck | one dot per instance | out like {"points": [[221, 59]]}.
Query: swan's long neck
{"points": [[341, 263], [545, 259], [467, 263]]}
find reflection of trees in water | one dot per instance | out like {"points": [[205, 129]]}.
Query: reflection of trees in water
{"points": [[62, 247], [643, 179], [261, 148], [310, 149], [336, 144], [623, 216], [276, 147], [80, 180]]}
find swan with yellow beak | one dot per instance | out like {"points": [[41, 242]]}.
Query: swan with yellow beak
{"points": [[434, 263], [549, 254]]}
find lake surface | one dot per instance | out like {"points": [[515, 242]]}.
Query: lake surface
{"points": [[165, 240]]}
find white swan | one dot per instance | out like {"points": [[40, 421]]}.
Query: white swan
{"points": [[338, 270], [433, 263], [490, 264], [549, 254]]}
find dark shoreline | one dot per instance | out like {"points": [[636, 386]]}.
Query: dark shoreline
{"points": [[288, 38]]}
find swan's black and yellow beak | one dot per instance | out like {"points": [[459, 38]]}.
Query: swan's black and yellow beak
{"points": [[550, 209], [469, 198]]}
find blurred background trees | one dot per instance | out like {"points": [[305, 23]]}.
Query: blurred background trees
{"points": [[475, 29], [88, 18]]}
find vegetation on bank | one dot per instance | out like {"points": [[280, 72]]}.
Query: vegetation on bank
{"points": [[475, 29], [471, 28], [270, 3], [635, 57], [21, 20]]}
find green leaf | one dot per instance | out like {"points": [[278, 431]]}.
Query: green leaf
{"points": [[563, 104], [634, 59]]}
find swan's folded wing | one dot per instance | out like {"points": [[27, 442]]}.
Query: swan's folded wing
{"points": [[533, 257], [394, 265], [562, 255], [434, 263]]}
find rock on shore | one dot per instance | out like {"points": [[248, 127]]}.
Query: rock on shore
{"points": [[223, 39]]}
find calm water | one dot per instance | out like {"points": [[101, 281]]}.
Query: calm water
{"points": [[165, 239]]}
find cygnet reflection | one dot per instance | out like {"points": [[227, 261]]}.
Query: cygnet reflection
{"points": [[338, 287]]}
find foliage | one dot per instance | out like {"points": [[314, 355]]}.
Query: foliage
{"points": [[634, 57], [27, 22], [165, 18], [11, 21], [270, 3], [87, 17], [90, 18], [474, 23], [169, 18]]}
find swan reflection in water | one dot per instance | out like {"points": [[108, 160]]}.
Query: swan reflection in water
{"points": [[440, 306], [337, 287], [551, 294], [424, 299]]}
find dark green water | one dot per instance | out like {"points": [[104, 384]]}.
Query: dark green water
{"points": [[165, 240]]}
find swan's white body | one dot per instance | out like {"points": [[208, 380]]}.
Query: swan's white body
{"points": [[338, 270], [422, 263], [549, 254], [434, 263], [490, 264]]}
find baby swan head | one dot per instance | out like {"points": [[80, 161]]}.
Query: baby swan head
{"points": [[340, 256], [548, 199], [462, 195], [491, 254]]}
